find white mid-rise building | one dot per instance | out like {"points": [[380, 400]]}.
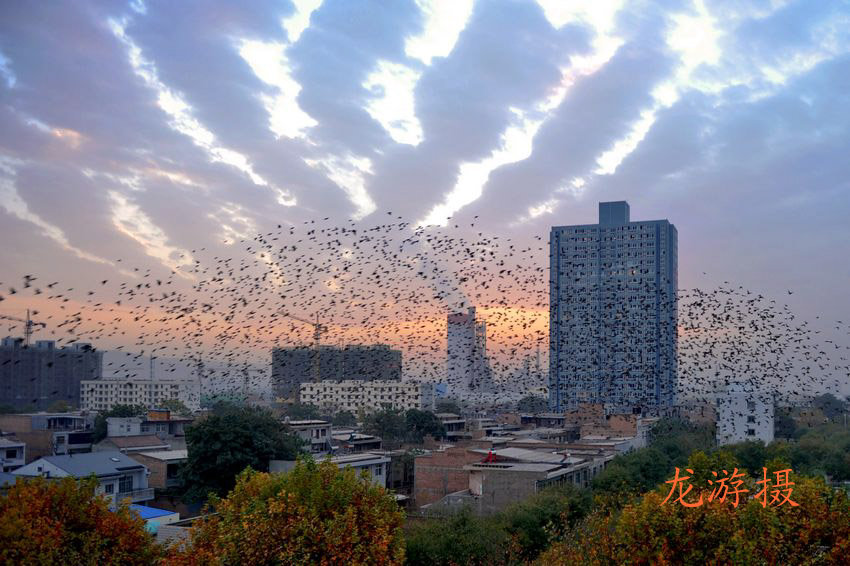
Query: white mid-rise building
{"points": [[353, 395], [104, 394], [744, 414]]}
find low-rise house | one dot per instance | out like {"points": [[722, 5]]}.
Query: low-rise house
{"points": [[495, 485], [440, 472], [48, 434], [500, 477], [315, 433], [455, 426], [154, 518], [7, 480], [129, 444], [377, 464], [543, 420], [158, 422], [621, 426], [401, 475], [12, 454], [349, 442], [119, 476], [164, 467]]}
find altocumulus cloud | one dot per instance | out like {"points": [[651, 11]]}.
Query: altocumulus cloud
{"points": [[143, 130]]}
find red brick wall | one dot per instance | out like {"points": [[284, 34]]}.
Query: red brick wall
{"points": [[440, 473]]}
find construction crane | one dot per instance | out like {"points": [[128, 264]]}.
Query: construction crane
{"points": [[28, 325], [318, 330]]}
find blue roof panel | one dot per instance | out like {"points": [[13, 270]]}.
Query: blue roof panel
{"points": [[146, 512]]}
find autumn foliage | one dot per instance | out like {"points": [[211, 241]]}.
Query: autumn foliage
{"points": [[63, 522], [649, 532], [314, 514]]}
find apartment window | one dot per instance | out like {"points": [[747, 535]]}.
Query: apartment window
{"points": [[751, 432], [751, 405], [751, 419], [125, 484]]}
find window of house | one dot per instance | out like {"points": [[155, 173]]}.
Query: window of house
{"points": [[109, 488], [125, 484], [11, 454]]}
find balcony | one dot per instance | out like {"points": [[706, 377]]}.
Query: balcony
{"points": [[137, 495]]}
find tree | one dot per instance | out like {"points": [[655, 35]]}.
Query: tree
{"points": [[816, 532], [831, 406], [461, 538], [64, 522], [633, 473], [60, 406], [389, 424], [176, 406], [534, 523], [532, 404], [13, 410], [420, 423], [344, 418], [313, 514], [298, 411], [100, 428], [784, 425], [447, 406], [751, 455], [516, 535], [225, 443]]}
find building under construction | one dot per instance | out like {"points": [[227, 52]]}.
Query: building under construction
{"points": [[293, 366], [36, 376]]}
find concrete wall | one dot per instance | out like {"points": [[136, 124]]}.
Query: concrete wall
{"points": [[500, 488]]}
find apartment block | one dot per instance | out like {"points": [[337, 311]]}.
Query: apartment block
{"points": [[104, 394], [744, 413], [355, 395], [613, 318]]}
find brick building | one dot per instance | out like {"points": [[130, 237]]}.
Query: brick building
{"points": [[441, 472]]}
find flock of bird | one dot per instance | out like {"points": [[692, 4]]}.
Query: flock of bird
{"points": [[394, 283]]}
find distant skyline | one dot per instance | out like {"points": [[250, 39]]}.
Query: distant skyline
{"points": [[145, 130]]}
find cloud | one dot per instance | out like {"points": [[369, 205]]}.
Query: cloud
{"points": [[186, 126]]}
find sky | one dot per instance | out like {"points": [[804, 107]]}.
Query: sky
{"points": [[144, 130]]}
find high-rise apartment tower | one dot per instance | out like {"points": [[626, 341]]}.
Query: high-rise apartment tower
{"points": [[467, 365], [612, 313]]}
